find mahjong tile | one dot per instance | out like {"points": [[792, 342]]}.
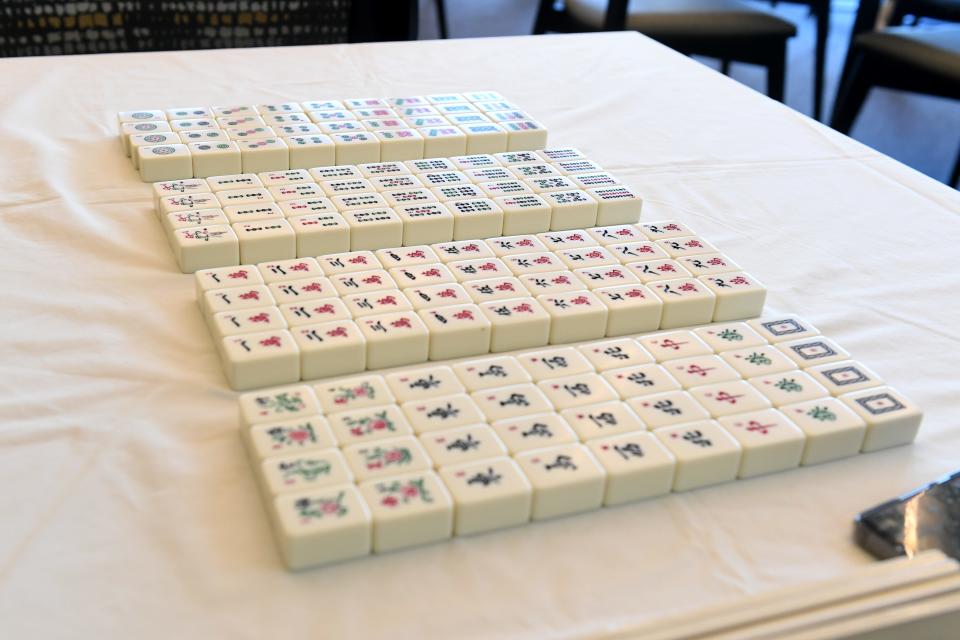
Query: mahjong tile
{"points": [[308, 147], [708, 264], [475, 161], [425, 223], [489, 174], [422, 275], [530, 263], [265, 240], [375, 112], [304, 206], [758, 361], [557, 154], [314, 311], [271, 405], [346, 126], [443, 141], [408, 510], [443, 412], [615, 354], [320, 233], [438, 295], [235, 298], [572, 209], [575, 316], [331, 115], [441, 178], [290, 176], [588, 181], [807, 352], [508, 187], [457, 192], [360, 200], [302, 290], [685, 302], [322, 526], [192, 124], [769, 441], [783, 328], [685, 246], [187, 187], [638, 380], [407, 256], [286, 192], [576, 166], [400, 197], [664, 409], [639, 251], [232, 323], [725, 337], [789, 387], [383, 184], [554, 282], [356, 147], [369, 424], [539, 431], [170, 204], [631, 309], [424, 383], [260, 359], [577, 239], [700, 370], [566, 479], [617, 235], [524, 213], [637, 465], [460, 445], [494, 289], [456, 331], [376, 302], [354, 393], [362, 281], [705, 453], [386, 457], [545, 184], [491, 494], [289, 436], [516, 323], [601, 420], [283, 107], [739, 295], [130, 129], [477, 218], [844, 377], [728, 398], [329, 349], [490, 372], [665, 229], [145, 141], [224, 277], [577, 391], [334, 172], [480, 269], [502, 403], [241, 121], [365, 103], [511, 245], [395, 339], [892, 419], [283, 270], [305, 471], [607, 276], [322, 105], [832, 429], [533, 170], [554, 363], [462, 250], [654, 270], [674, 345], [584, 257], [253, 212], [411, 101]]}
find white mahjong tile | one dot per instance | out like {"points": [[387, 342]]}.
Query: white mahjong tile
{"points": [[395, 339], [475, 161], [322, 105], [302, 290], [330, 349], [376, 302], [705, 453], [191, 186], [601, 420], [554, 363], [588, 181], [638, 380], [557, 154], [638, 466], [665, 229], [438, 295], [334, 172], [145, 141], [789, 387], [191, 124], [892, 419], [728, 398], [348, 262], [845, 377], [425, 223], [331, 115], [482, 175], [236, 298], [490, 494], [310, 148], [708, 264], [171, 204], [314, 311], [386, 457], [639, 251], [365, 103], [545, 184], [832, 429], [224, 277], [758, 361], [382, 184], [441, 178], [769, 441], [289, 436], [443, 141], [240, 120], [784, 327], [530, 263], [572, 209], [490, 372], [408, 510], [369, 424], [665, 409], [533, 170], [305, 471], [260, 359], [807, 352], [494, 289], [675, 344], [616, 204], [353, 393], [502, 403], [457, 192], [320, 233], [524, 213], [631, 309], [265, 240], [583, 257], [400, 144], [460, 445], [253, 212], [685, 246], [462, 250], [407, 256], [411, 101], [685, 302], [400, 197], [356, 147], [427, 165], [264, 154], [617, 235], [424, 383], [286, 192], [480, 269], [700, 370], [270, 405], [575, 239], [422, 275], [456, 331], [304, 206], [554, 282], [477, 218], [232, 323], [615, 354], [322, 526], [283, 107], [739, 295], [508, 187], [375, 228], [725, 337], [516, 323], [362, 281], [566, 479], [653, 270], [539, 431], [290, 176], [442, 412], [295, 269], [577, 390], [575, 316], [607, 276], [346, 126], [367, 199], [511, 245], [511, 158]]}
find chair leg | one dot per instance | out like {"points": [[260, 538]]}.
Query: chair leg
{"points": [[955, 174], [820, 60], [776, 71], [725, 66], [544, 13], [854, 86], [442, 17]]}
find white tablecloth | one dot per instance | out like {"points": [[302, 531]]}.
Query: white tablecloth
{"points": [[128, 506]]}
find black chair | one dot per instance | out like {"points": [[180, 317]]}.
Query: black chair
{"points": [[903, 58], [948, 10], [820, 9], [724, 29]]}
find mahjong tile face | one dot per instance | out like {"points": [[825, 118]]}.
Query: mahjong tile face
{"points": [[376, 302], [789, 387], [457, 446], [478, 269], [665, 229], [638, 251], [488, 174], [608, 276], [844, 377], [340, 172], [441, 178], [501, 403], [305, 471], [601, 420], [323, 525], [475, 161], [891, 418], [462, 250], [226, 277], [727, 337], [554, 363], [595, 180], [833, 430], [353, 393], [410, 509], [278, 404], [706, 454], [445, 412], [289, 436], [231, 323], [437, 295], [617, 234], [494, 289], [509, 245], [290, 176], [728, 398], [527, 433], [675, 344], [664, 409], [305, 206], [428, 165], [615, 354], [386, 457], [686, 302], [758, 361], [580, 258], [295, 269], [489, 494], [535, 262], [491, 372], [424, 383], [708, 264], [458, 192], [576, 166], [813, 351], [577, 390], [552, 283], [339, 263], [407, 256], [769, 440], [362, 281], [314, 311], [369, 424], [550, 183], [655, 270], [302, 290], [783, 328], [700, 370], [235, 298], [637, 466], [566, 479], [285, 192], [641, 380], [422, 275], [557, 240]]}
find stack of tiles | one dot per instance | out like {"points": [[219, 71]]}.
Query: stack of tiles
{"points": [[282, 321], [196, 142], [243, 218], [381, 462]]}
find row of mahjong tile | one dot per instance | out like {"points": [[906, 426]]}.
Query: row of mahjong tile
{"points": [[309, 319], [583, 413], [165, 145], [226, 220]]}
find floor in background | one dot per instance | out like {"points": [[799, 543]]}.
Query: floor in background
{"points": [[921, 131]]}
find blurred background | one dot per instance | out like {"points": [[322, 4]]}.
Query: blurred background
{"points": [[887, 72]]}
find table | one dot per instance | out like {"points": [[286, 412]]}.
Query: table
{"points": [[129, 506]]}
